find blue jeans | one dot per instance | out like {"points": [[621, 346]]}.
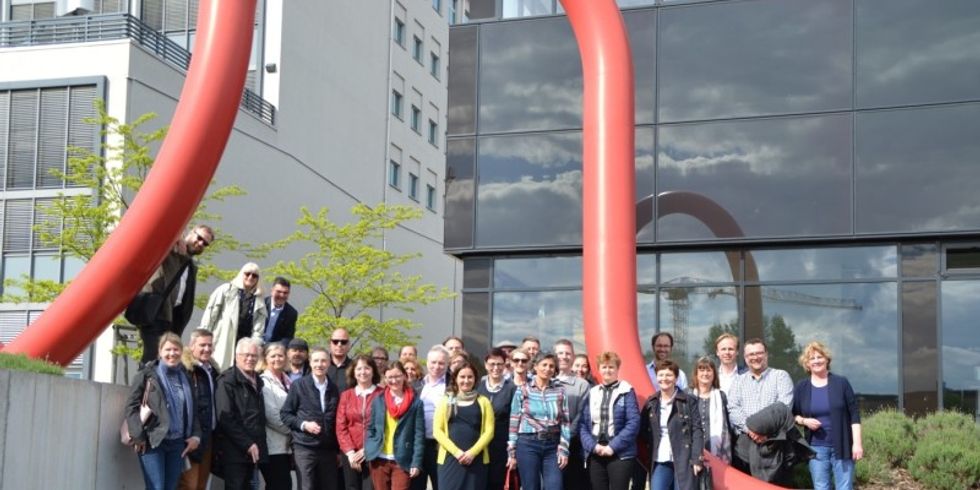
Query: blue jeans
{"points": [[662, 476], [537, 459], [163, 465], [825, 464]]}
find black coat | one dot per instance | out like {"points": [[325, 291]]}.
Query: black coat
{"points": [[241, 417], [684, 431], [303, 404], [285, 327], [204, 412]]}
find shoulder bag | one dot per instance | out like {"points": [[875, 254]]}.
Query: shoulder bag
{"points": [[145, 412]]}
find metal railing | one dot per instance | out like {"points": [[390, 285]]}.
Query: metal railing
{"points": [[92, 28]]}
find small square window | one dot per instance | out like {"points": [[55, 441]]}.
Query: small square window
{"points": [[433, 133], [430, 197], [396, 103], [399, 33], [417, 49], [437, 6], [434, 65], [413, 186], [416, 119], [394, 174]]}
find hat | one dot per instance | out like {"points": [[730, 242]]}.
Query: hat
{"points": [[298, 344], [505, 343]]}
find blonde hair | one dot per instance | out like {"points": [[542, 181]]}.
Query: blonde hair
{"points": [[814, 347], [725, 336], [608, 358], [239, 280]]}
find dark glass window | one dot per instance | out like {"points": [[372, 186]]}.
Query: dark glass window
{"points": [[919, 353], [476, 273], [910, 52], [537, 272], [963, 258], [961, 346], [645, 151], [478, 9], [642, 28], [461, 114], [460, 163], [476, 322], [646, 268], [919, 260], [529, 190], [695, 317], [547, 315], [774, 177], [754, 58], [829, 263], [916, 169]]}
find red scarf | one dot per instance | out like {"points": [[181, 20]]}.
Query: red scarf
{"points": [[397, 410]]}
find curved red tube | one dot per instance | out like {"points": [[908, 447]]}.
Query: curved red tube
{"points": [[608, 201], [179, 178]]}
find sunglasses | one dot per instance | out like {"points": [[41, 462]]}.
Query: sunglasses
{"points": [[252, 274], [340, 341], [201, 239], [518, 360]]}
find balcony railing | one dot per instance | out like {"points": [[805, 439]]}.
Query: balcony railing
{"points": [[92, 28]]}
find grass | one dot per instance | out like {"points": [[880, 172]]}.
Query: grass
{"points": [[20, 362]]}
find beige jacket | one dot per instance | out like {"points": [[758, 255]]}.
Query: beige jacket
{"points": [[221, 318]]}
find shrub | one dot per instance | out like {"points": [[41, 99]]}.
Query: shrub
{"points": [[947, 464], [949, 422], [888, 437], [873, 468], [20, 362]]}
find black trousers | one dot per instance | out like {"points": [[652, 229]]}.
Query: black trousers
{"points": [[610, 472], [639, 476], [238, 476], [574, 476], [353, 479], [276, 472], [429, 469], [317, 468], [150, 335]]}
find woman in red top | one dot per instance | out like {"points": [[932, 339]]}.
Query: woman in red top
{"points": [[353, 412]]}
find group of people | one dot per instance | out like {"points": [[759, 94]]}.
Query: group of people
{"points": [[246, 398]]}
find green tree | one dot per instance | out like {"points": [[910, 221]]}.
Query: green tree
{"points": [[784, 352], [716, 331], [353, 279]]}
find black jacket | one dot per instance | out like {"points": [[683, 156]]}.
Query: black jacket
{"points": [[684, 431], [338, 374], [303, 404], [241, 417], [156, 427], [204, 408], [772, 460], [285, 327]]}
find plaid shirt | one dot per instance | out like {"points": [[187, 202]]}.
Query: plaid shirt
{"points": [[749, 394], [544, 411]]}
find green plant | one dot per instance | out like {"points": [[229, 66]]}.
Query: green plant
{"points": [[873, 468], [890, 436], [945, 423], [947, 464], [20, 362]]}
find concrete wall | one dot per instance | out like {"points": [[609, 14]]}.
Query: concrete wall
{"points": [[62, 433]]}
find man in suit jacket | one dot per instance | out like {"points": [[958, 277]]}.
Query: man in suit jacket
{"points": [[280, 324]]}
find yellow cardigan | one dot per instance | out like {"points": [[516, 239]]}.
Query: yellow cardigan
{"points": [[440, 431]]}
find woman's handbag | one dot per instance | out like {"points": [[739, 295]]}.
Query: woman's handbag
{"points": [[145, 413], [513, 480], [704, 478]]}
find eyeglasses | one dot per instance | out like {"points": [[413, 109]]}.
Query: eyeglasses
{"points": [[492, 365], [385, 359], [201, 239], [339, 341], [252, 274], [518, 360], [394, 378]]}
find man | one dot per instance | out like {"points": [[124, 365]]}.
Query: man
{"points": [[752, 392], [202, 373], [663, 345], [310, 411], [297, 353], [339, 347], [280, 325], [240, 442], [408, 353], [532, 346], [506, 347], [380, 356], [574, 475], [175, 280], [726, 348], [454, 345], [432, 388]]}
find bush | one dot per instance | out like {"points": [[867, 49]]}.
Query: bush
{"points": [[873, 468], [888, 437], [947, 464], [942, 424], [20, 362]]}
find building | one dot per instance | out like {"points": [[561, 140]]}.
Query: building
{"points": [[344, 103], [838, 137]]}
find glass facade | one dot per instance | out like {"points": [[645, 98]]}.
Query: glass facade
{"points": [[804, 171]]}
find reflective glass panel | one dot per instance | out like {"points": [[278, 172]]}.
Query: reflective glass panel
{"points": [[913, 52], [695, 317], [16, 267], [461, 115], [642, 28], [857, 322], [537, 272], [646, 318], [729, 59], [698, 267], [755, 178], [549, 316], [916, 169], [644, 180], [460, 172], [47, 267], [646, 268], [961, 346], [826, 263], [526, 8], [919, 260], [920, 369], [476, 273], [529, 190], [72, 267], [476, 322], [634, 3]]}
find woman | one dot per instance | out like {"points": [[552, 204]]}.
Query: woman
{"points": [[395, 439], [160, 416], [353, 413], [275, 387], [539, 428], [582, 369], [826, 407], [463, 427], [713, 408], [500, 391], [413, 371], [235, 310], [457, 361], [609, 425], [671, 424], [520, 363]]}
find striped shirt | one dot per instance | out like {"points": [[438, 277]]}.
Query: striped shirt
{"points": [[537, 411], [749, 394]]}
